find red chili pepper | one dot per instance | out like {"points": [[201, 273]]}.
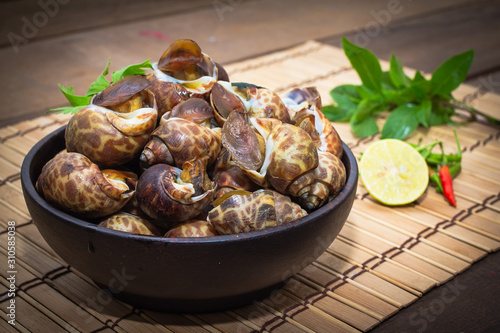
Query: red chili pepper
{"points": [[446, 181]]}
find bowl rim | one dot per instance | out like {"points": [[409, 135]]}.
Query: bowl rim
{"points": [[29, 188]]}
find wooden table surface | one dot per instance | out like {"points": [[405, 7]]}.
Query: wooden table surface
{"points": [[44, 43]]}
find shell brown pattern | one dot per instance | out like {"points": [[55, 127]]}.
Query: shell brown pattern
{"points": [[179, 140], [256, 211], [107, 137], [266, 103], [305, 105], [290, 154], [330, 139], [166, 199], [320, 184], [73, 183], [194, 228], [130, 223], [167, 94]]}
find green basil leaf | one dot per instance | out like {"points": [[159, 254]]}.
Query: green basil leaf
{"points": [[345, 94], [387, 81], [419, 92], [365, 128], [66, 109], [335, 113], [363, 121], [391, 96], [451, 73], [74, 100], [442, 111], [424, 115], [366, 93], [137, 69], [439, 119], [394, 98], [420, 87], [401, 122], [398, 77], [345, 89], [418, 78], [365, 110], [347, 99], [100, 83], [365, 63]]}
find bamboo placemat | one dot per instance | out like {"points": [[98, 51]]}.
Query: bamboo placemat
{"points": [[383, 260]]}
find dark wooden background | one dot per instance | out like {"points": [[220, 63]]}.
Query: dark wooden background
{"points": [[43, 43], [69, 41]]}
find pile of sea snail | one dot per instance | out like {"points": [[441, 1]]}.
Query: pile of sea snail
{"points": [[183, 152]]}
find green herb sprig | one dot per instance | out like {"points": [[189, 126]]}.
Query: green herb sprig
{"points": [[411, 101], [101, 83]]}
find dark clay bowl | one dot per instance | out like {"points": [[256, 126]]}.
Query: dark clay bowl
{"points": [[184, 274]]}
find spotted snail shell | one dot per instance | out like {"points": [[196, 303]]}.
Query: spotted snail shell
{"points": [[193, 228], [215, 157], [256, 102], [183, 72], [73, 183], [290, 153], [307, 114], [168, 194], [255, 211], [108, 137], [179, 140], [130, 223], [323, 183]]}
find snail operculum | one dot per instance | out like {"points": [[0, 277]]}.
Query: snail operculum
{"points": [[221, 72], [225, 100], [255, 101], [183, 72], [255, 211], [194, 109], [169, 194], [228, 177], [194, 172], [75, 184], [111, 138], [180, 60], [184, 63], [245, 145], [167, 94], [125, 95]]}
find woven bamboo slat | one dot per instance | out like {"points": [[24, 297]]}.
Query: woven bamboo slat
{"points": [[384, 259], [11, 155]]}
